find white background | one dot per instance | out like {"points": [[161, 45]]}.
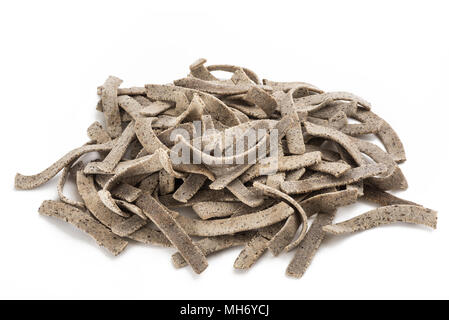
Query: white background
{"points": [[53, 54]]}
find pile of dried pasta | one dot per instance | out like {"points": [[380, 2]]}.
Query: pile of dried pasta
{"points": [[134, 189]]}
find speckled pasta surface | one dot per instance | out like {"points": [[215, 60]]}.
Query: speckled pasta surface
{"points": [[252, 252], [97, 133], [250, 221], [83, 221], [337, 136], [326, 181], [211, 245], [386, 215], [111, 110], [116, 154], [329, 201], [129, 226], [278, 194], [307, 249], [30, 182], [62, 180], [190, 187], [382, 198], [206, 163], [173, 231]]}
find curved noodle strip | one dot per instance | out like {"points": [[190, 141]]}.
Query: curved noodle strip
{"points": [[89, 194], [145, 165], [337, 136], [260, 219], [122, 191], [386, 134], [278, 194], [62, 180], [392, 179], [29, 182], [219, 161], [230, 68], [284, 235], [109, 202], [320, 98], [147, 137], [385, 215], [351, 176]]}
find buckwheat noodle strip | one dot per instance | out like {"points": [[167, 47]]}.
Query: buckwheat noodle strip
{"points": [[83, 221], [30, 182], [385, 215], [276, 193]]}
